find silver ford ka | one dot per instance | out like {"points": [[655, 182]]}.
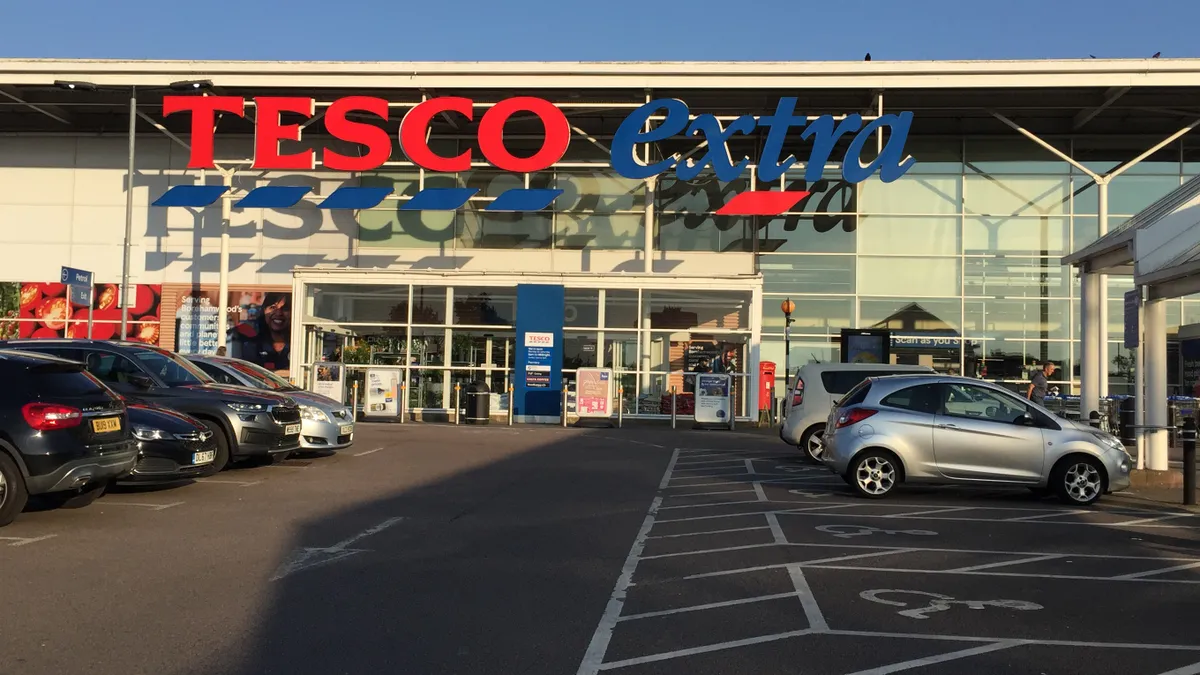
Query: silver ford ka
{"points": [[956, 430]]}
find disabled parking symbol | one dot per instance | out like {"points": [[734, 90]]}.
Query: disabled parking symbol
{"points": [[851, 531]]}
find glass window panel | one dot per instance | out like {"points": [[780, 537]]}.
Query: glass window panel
{"points": [[1015, 359], [425, 388], [501, 230], [428, 347], [705, 194], [429, 304], [935, 155], [1116, 316], [1127, 194], [481, 349], [678, 310], [360, 303], [1000, 195], [485, 305], [808, 234], [1039, 235], [1016, 277], [387, 226], [807, 273], [830, 194], [575, 231], [1191, 311], [582, 308], [920, 235], [579, 350], [1086, 229], [1013, 154], [492, 183], [378, 346], [917, 194], [803, 350], [1028, 319], [812, 315], [621, 309], [597, 191], [908, 276], [704, 232], [903, 315], [1103, 154], [621, 351]]}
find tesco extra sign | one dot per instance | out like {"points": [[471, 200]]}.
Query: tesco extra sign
{"points": [[823, 133]]}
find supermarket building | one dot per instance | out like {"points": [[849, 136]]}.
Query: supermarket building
{"points": [[933, 199]]}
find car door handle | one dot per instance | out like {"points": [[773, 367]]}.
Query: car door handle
{"points": [[947, 426]]}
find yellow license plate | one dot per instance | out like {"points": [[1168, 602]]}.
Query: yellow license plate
{"points": [[107, 424]]}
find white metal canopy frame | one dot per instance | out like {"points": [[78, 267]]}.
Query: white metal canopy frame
{"points": [[1160, 249], [305, 280]]}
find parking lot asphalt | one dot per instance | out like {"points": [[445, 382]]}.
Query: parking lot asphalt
{"points": [[437, 549]]}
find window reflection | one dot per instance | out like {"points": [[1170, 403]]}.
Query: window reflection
{"points": [[879, 275], [1037, 235], [807, 273], [808, 234], [1016, 277], [364, 303], [911, 316], [1033, 318]]}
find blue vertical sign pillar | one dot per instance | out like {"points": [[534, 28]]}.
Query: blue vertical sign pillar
{"points": [[537, 378]]}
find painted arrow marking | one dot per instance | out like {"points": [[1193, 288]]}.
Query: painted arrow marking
{"points": [[307, 558]]}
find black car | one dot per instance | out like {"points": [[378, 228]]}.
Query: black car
{"points": [[63, 434], [248, 423], [172, 447]]}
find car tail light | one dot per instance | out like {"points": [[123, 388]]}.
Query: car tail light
{"points": [[798, 394], [46, 416], [854, 416]]}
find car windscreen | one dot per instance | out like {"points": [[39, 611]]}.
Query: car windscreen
{"points": [[172, 369], [838, 382], [257, 373]]}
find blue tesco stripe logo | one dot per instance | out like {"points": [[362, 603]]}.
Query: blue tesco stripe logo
{"points": [[357, 198]]}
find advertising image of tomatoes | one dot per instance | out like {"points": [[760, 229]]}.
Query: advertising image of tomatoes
{"points": [[106, 296], [52, 290], [146, 303], [101, 330], [53, 313], [30, 295], [143, 332]]}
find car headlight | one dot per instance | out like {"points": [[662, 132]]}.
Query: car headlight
{"points": [[247, 407], [150, 434], [310, 413], [1109, 441]]}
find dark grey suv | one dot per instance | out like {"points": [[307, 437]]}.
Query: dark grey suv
{"points": [[249, 423]]}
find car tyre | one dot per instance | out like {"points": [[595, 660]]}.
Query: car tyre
{"points": [[874, 474], [812, 443], [1079, 480], [13, 494], [76, 500], [221, 459]]}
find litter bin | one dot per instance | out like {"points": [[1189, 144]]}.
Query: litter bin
{"points": [[478, 404]]}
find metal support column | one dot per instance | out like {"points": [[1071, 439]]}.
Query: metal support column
{"points": [[128, 217], [1139, 388], [223, 292], [1089, 369], [1102, 280], [1155, 347]]}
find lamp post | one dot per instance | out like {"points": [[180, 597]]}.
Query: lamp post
{"points": [[788, 307]]}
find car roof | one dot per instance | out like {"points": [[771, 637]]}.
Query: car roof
{"points": [[20, 356], [904, 368], [127, 344]]}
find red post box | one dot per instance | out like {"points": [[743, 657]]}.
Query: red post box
{"points": [[766, 384]]}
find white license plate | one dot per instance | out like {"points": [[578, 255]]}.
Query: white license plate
{"points": [[205, 457], [346, 429], [291, 429]]}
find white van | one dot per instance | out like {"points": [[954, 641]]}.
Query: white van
{"points": [[817, 387]]}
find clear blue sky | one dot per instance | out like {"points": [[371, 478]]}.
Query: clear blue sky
{"points": [[598, 30]]}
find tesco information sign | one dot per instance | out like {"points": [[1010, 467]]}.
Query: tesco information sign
{"points": [[643, 125]]}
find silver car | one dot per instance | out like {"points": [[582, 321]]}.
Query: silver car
{"points": [[957, 430], [326, 424]]}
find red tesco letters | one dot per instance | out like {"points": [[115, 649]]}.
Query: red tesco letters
{"points": [[269, 131]]}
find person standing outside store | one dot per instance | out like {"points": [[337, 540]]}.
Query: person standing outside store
{"points": [[1039, 383]]}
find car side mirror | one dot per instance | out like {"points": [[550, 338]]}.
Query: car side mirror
{"points": [[1026, 420], [141, 382]]}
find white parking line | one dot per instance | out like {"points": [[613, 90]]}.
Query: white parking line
{"points": [[368, 452], [708, 494], [776, 530], [733, 460], [940, 658], [1165, 570], [1028, 641], [699, 534], [701, 650], [152, 507], [1006, 563], [711, 605], [778, 566], [223, 481], [22, 541], [1185, 670], [812, 611], [906, 514], [1052, 514], [1145, 521]]}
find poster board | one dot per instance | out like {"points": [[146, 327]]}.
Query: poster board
{"points": [[866, 346], [539, 356], [329, 379], [593, 392], [1189, 359], [712, 398], [382, 395]]}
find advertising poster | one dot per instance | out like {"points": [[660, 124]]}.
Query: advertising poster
{"points": [[382, 397], [330, 380], [712, 398], [45, 311], [259, 326], [539, 354], [593, 392]]}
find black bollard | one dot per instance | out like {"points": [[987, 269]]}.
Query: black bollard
{"points": [[1188, 436]]}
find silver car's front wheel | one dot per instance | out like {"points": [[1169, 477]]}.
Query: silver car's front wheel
{"points": [[874, 474], [813, 443], [1080, 481]]}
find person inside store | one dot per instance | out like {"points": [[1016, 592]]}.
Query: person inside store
{"points": [[689, 381], [727, 361], [1039, 383], [265, 340]]}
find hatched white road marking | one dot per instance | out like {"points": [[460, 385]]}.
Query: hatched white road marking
{"points": [[308, 557]]}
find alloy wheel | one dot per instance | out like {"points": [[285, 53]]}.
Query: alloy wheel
{"points": [[816, 445], [1082, 482], [876, 475], [3, 489]]}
